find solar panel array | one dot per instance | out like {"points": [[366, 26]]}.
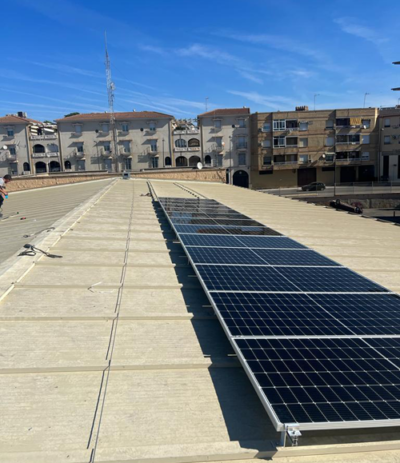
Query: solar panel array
{"points": [[320, 343]]}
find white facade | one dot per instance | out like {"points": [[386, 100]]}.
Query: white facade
{"points": [[143, 141], [186, 145], [225, 140], [14, 145]]}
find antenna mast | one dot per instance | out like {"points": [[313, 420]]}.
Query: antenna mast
{"points": [[110, 93]]}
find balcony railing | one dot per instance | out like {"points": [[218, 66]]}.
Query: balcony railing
{"points": [[53, 154], [186, 132], [285, 163], [187, 148], [11, 157], [43, 137], [125, 152]]}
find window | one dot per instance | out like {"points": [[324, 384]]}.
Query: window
{"points": [[365, 156], [78, 129], [291, 141], [38, 149], [343, 122], [365, 139], [266, 172], [330, 141], [79, 148], [266, 127], [153, 147], [329, 157], [125, 127], [386, 140], [242, 124], [219, 161], [104, 127], [67, 165], [167, 161], [10, 132], [329, 124], [366, 123], [26, 167], [387, 123], [267, 160], [355, 138], [107, 147], [292, 124], [180, 143], [218, 142], [242, 159], [303, 158], [303, 126], [128, 164], [207, 160], [12, 150], [152, 126], [266, 144], [81, 164], [241, 143], [303, 142], [280, 124], [126, 146], [108, 164], [279, 141], [194, 143], [217, 123]]}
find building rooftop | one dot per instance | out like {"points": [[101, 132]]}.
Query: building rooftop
{"points": [[226, 112], [113, 352], [11, 119], [118, 116]]}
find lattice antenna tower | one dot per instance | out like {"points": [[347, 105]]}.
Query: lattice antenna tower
{"points": [[110, 93]]}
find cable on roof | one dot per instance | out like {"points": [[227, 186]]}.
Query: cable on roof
{"points": [[32, 251], [39, 232]]}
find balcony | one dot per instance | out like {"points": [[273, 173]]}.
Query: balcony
{"points": [[187, 148], [79, 154], [52, 154], [186, 132], [11, 158], [106, 153], [219, 148], [125, 152], [241, 146], [43, 137], [153, 150], [286, 165]]}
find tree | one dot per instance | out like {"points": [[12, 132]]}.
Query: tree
{"points": [[48, 122], [71, 114]]}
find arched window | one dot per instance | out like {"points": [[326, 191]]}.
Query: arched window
{"points": [[40, 167], [167, 161], [207, 160], [38, 149], [67, 165], [181, 162], [54, 166], [26, 167], [180, 143], [193, 143], [193, 161]]}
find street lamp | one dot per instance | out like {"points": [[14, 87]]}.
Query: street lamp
{"points": [[365, 97], [163, 152]]}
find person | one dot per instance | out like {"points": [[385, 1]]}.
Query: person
{"points": [[3, 192]]}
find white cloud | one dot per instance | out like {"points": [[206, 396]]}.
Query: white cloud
{"points": [[272, 102], [251, 77], [350, 27]]}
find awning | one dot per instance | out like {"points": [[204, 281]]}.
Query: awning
{"points": [[355, 120]]}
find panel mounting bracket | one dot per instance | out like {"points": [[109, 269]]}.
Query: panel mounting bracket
{"points": [[291, 431]]}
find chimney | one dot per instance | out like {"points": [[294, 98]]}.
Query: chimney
{"points": [[301, 108], [21, 114]]}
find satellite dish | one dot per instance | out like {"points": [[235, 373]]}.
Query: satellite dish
{"points": [[4, 147], [199, 165]]}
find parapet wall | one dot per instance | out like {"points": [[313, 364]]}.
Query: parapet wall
{"points": [[203, 175], [29, 183]]}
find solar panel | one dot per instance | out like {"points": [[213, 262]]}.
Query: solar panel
{"points": [[299, 322], [364, 314], [299, 257], [317, 279], [288, 314], [325, 380], [223, 256], [243, 278]]}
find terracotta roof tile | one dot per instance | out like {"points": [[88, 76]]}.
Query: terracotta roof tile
{"points": [[226, 112], [118, 116], [17, 120]]}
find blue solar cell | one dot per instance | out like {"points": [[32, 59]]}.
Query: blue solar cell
{"points": [[201, 255], [260, 314], [316, 279], [211, 241], [295, 257], [270, 243], [243, 278]]}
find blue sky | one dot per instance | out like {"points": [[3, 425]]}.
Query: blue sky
{"points": [[169, 56]]}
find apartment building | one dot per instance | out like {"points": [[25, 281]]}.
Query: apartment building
{"points": [[293, 148], [225, 142], [186, 144], [142, 139], [389, 143]]}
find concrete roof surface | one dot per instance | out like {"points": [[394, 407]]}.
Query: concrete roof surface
{"points": [[113, 352]]}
